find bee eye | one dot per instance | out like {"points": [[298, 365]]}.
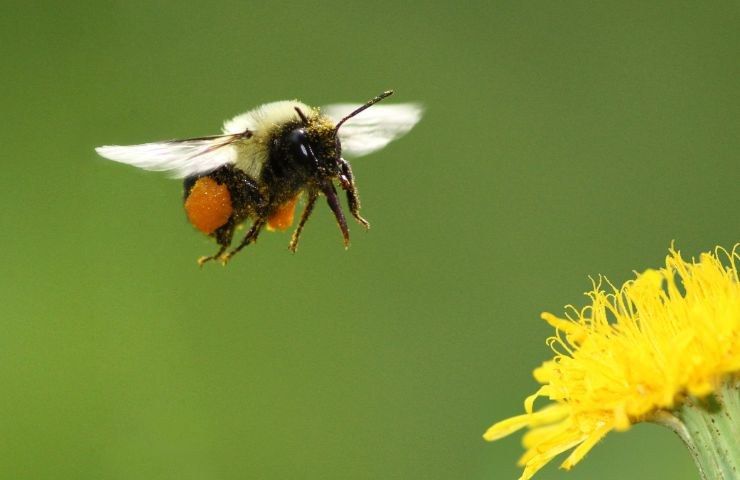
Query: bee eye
{"points": [[298, 141]]}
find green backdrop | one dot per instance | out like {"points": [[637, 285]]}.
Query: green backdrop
{"points": [[560, 140]]}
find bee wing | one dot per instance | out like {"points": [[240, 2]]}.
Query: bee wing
{"points": [[374, 128], [180, 158]]}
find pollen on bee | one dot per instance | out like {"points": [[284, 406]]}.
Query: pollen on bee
{"points": [[282, 218], [208, 205]]}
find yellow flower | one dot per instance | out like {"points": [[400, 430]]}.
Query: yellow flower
{"points": [[636, 353]]}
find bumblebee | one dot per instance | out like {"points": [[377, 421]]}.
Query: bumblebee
{"points": [[266, 159]]}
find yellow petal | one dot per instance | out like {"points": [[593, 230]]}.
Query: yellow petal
{"points": [[582, 449], [506, 427]]}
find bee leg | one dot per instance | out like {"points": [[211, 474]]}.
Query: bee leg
{"points": [[353, 199], [223, 236], [203, 260], [250, 237], [327, 188], [312, 196]]}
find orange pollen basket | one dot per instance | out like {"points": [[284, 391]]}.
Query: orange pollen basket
{"points": [[282, 218], [208, 205]]}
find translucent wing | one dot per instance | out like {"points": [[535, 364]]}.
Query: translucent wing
{"points": [[374, 128], [180, 158]]}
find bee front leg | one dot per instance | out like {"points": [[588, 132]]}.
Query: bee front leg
{"points": [[250, 237], [353, 199]]}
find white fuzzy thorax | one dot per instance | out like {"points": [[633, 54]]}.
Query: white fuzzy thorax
{"points": [[261, 121]]}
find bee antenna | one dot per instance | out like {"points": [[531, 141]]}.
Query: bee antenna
{"points": [[369, 104], [302, 115]]}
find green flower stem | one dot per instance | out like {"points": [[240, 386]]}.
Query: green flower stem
{"points": [[710, 428]]}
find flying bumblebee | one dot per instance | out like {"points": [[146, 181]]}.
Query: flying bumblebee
{"points": [[266, 159]]}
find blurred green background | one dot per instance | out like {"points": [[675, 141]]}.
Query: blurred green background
{"points": [[561, 140]]}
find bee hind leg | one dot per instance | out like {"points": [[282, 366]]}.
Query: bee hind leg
{"points": [[223, 236], [250, 237]]}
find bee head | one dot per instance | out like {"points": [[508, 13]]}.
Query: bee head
{"points": [[316, 151], [315, 141], [315, 146]]}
